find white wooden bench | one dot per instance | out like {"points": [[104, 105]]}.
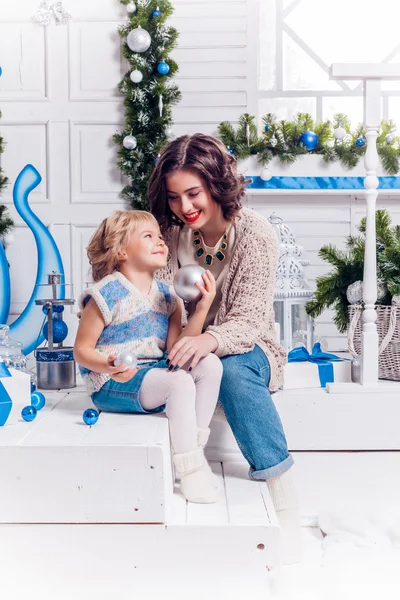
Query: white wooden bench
{"points": [[98, 507]]}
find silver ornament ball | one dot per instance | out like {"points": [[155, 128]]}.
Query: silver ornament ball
{"points": [[139, 40], [8, 239], [273, 141], [127, 359], [395, 300], [136, 76], [356, 369], [389, 139], [184, 282], [339, 133], [169, 132], [354, 292], [265, 174], [131, 7], [129, 142], [381, 290]]}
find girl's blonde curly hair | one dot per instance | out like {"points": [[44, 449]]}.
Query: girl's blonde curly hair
{"points": [[111, 237]]}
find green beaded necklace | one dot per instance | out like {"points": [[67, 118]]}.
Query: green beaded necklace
{"points": [[198, 243]]}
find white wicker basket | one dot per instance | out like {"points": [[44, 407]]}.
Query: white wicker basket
{"points": [[388, 325]]}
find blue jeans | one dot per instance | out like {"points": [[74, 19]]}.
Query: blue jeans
{"points": [[251, 414]]}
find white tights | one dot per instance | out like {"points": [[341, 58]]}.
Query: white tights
{"points": [[190, 399]]}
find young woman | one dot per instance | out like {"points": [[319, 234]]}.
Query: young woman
{"points": [[127, 310], [195, 194]]}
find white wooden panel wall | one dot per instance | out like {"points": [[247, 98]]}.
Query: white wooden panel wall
{"points": [[60, 104]]}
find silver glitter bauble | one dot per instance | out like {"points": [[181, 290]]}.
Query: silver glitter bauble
{"points": [[339, 133], [184, 282], [129, 142], [136, 76], [131, 7], [354, 292], [127, 359], [169, 132], [265, 174], [356, 369], [389, 139], [395, 300], [139, 40], [273, 141]]}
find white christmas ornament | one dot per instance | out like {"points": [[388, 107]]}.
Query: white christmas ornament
{"points": [[131, 7], [8, 239], [184, 282], [160, 105], [139, 40], [265, 174], [136, 76], [273, 141], [129, 142], [339, 133], [395, 300], [169, 132], [127, 359], [389, 139]]}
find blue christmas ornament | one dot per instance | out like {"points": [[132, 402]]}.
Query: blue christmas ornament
{"points": [[38, 400], [360, 141], [229, 149], [90, 416], [156, 13], [1, 71], [33, 387], [60, 331], [309, 139], [28, 413], [267, 127], [163, 68], [45, 310], [58, 308]]}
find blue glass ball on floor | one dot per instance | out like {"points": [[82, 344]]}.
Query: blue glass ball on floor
{"points": [[28, 413], [90, 416], [360, 142], [38, 400], [309, 139], [58, 308], [163, 68], [156, 13], [60, 331]]}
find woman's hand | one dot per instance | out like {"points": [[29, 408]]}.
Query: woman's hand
{"points": [[117, 373], [191, 349], [208, 291]]}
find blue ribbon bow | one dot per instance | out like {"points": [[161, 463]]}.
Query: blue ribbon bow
{"points": [[322, 359]]}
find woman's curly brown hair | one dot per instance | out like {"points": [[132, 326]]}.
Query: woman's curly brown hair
{"points": [[211, 161]]}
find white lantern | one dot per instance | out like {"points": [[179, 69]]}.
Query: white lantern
{"points": [[292, 293]]}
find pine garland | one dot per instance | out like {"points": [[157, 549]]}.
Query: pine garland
{"points": [[281, 139], [6, 223], [349, 267], [142, 113]]}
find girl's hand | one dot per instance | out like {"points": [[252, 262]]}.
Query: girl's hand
{"points": [[208, 291], [117, 373], [191, 349]]}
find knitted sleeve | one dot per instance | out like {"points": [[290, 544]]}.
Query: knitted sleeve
{"points": [[106, 293], [249, 309]]}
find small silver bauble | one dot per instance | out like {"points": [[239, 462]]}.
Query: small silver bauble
{"points": [[354, 292], [339, 133], [136, 76], [8, 239], [169, 132], [131, 7], [138, 40], [381, 290], [265, 174], [389, 139], [356, 369], [395, 300], [184, 282], [127, 359], [129, 142], [273, 141]]}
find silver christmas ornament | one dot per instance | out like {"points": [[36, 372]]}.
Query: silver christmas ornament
{"points": [[356, 369], [354, 292], [265, 174], [127, 359], [129, 142], [390, 137], [248, 134], [131, 7], [139, 40], [51, 11], [339, 133], [184, 282], [160, 105], [395, 300], [273, 141], [381, 290], [8, 239], [169, 132], [136, 76]]}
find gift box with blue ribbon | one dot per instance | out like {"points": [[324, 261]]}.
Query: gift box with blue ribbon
{"points": [[315, 369], [15, 393], [5, 398]]}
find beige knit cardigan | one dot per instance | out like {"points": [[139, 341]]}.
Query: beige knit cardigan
{"points": [[245, 316]]}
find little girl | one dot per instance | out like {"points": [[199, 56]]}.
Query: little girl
{"points": [[126, 309]]}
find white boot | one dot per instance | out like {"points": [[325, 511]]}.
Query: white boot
{"points": [[202, 439], [196, 485], [283, 495]]}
